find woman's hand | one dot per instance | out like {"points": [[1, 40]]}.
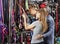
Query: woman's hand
{"points": [[24, 16], [39, 36]]}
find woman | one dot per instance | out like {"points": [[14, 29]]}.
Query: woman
{"points": [[37, 27]]}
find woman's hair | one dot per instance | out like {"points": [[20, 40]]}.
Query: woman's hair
{"points": [[43, 13]]}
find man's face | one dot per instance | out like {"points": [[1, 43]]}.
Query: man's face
{"points": [[33, 11]]}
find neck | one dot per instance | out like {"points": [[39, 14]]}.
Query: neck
{"points": [[39, 19]]}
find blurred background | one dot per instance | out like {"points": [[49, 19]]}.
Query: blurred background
{"points": [[11, 21]]}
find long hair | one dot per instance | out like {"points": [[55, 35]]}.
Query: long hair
{"points": [[43, 19], [43, 15]]}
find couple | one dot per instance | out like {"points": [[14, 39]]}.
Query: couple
{"points": [[42, 28]]}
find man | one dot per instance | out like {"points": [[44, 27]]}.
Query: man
{"points": [[49, 35]]}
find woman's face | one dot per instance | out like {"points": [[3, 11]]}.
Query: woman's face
{"points": [[37, 15]]}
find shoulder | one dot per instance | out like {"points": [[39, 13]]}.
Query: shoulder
{"points": [[36, 23], [50, 18]]}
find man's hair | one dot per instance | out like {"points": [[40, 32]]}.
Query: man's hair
{"points": [[35, 6]]}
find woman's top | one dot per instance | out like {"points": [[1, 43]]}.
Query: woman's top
{"points": [[37, 30]]}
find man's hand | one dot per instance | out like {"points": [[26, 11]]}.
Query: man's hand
{"points": [[39, 36]]}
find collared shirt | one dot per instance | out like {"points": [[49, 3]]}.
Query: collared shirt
{"points": [[50, 34]]}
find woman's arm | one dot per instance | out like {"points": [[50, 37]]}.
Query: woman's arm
{"points": [[27, 27]]}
